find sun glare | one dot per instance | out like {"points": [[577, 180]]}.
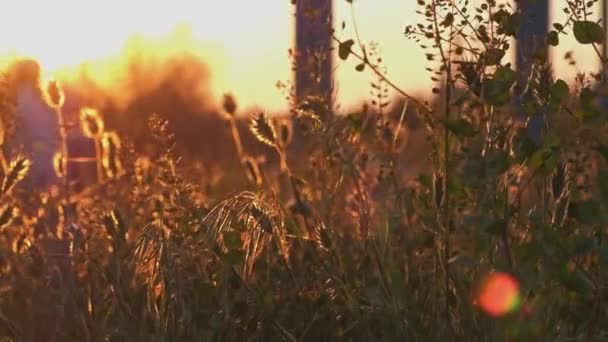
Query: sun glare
{"points": [[244, 43]]}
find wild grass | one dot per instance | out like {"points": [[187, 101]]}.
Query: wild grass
{"points": [[334, 242]]}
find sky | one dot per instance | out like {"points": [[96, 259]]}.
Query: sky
{"points": [[244, 42]]}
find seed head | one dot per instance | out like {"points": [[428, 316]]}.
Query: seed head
{"points": [[263, 130], [110, 143], [54, 94], [230, 104], [59, 164], [17, 170], [285, 134], [91, 122]]}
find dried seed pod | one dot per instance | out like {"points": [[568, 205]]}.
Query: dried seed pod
{"points": [[59, 164], [110, 143], [7, 214], [262, 219], [263, 130], [91, 123], [54, 94], [229, 104], [285, 134]]}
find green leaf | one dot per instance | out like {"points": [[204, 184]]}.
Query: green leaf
{"points": [[233, 257], [587, 97], [493, 56], [495, 227], [583, 245], [506, 76], [551, 141], [425, 180], [523, 146], [460, 128], [448, 21], [355, 121], [558, 26], [602, 149], [498, 162], [543, 160], [578, 282], [588, 109], [345, 48], [508, 23], [588, 32], [586, 212], [603, 257], [559, 93], [496, 89], [360, 67], [232, 239], [603, 187], [553, 38]]}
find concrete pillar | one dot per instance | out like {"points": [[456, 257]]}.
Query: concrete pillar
{"points": [[532, 37], [313, 74]]}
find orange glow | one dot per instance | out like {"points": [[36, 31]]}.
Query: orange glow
{"points": [[499, 294], [244, 43]]}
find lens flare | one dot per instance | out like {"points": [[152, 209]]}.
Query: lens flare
{"points": [[499, 294]]}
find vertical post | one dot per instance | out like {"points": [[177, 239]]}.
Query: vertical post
{"points": [[605, 45], [313, 69], [531, 38]]}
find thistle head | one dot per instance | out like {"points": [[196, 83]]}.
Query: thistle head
{"points": [[91, 123], [54, 94], [229, 104]]}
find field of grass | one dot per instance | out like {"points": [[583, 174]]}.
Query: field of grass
{"points": [[329, 226]]}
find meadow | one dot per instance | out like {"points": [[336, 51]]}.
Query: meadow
{"points": [[480, 215]]}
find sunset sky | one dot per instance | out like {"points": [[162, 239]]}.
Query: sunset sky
{"points": [[244, 42]]}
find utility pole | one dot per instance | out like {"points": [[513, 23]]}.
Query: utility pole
{"points": [[313, 58], [530, 40]]}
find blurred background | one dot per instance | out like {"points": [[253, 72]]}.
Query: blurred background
{"points": [[178, 58], [242, 44]]}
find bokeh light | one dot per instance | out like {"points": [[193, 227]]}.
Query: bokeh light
{"points": [[499, 294]]}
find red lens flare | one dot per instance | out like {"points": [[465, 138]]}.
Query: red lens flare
{"points": [[499, 294]]}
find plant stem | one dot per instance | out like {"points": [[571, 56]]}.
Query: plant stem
{"points": [[98, 160], [446, 60], [236, 137], [63, 141], [3, 162], [380, 74]]}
